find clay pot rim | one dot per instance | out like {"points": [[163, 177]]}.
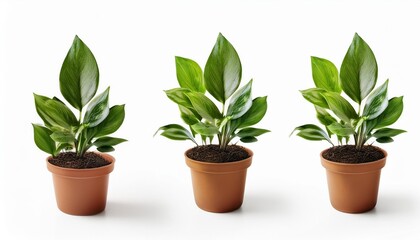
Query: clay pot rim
{"points": [[83, 173], [354, 168], [221, 168]]}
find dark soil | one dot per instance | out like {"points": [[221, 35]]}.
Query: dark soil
{"points": [[349, 154], [70, 160], [213, 154]]}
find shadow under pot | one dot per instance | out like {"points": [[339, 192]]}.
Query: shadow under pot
{"points": [[219, 187], [81, 191], [353, 188]]}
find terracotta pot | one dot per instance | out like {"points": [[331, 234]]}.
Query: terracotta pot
{"points": [[353, 188], [219, 187], [81, 191]]}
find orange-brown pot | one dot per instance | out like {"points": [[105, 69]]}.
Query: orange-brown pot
{"points": [[81, 191], [219, 187], [353, 188]]}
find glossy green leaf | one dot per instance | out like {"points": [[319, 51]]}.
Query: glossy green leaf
{"points": [[189, 116], [240, 102], [340, 130], [189, 74], [312, 132], [324, 117], [63, 146], [384, 140], [205, 129], [251, 132], [204, 106], [79, 75], [106, 149], [376, 102], [340, 106], [325, 74], [388, 132], [63, 137], [54, 113], [254, 114], [110, 124], [43, 140], [223, 70], [108, 141], [176, 132], [390, 115], [178, 96], [359, 70], [249, 139], [97, 110], [314, 96]]}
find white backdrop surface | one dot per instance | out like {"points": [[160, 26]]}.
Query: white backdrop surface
{"points": [[150, 193]]}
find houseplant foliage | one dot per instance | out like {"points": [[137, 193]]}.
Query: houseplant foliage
{"points": [[218, 184], [353, 177], [80, 177], [221, 79], [62, 130]]}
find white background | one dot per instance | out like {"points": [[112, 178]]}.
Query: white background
{"points": [[150, 193]]}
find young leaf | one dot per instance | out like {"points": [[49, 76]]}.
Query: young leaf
{"points": [[178, 96], [43, 140], [97, 110], [205, 129], [340, 106], [79, 75], [108, 141], [325, 74], [377, 102], [204, 106], [110, 124], [312, 132], [54, 113], [251, 132], [254, 114], [390, 115], [223, 70], [359, 70], [189, 74], [340, 130], [314, 96], [176, 132], [240, 102], [388, 132]]}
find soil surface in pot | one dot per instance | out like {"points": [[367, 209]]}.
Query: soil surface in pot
{"points": [[71, 160], [213, 154], [349, 154]]}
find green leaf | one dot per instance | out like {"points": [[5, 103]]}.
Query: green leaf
{"points": [[223, 70], [254, 114], [110, 124], [390, 115], [312, 132], [176, 132], [189, 74], [384, 140], [388, 132], [251, 132], [324, 117], [108, 141], [340, 107], [106, 149], [249, 139], [178, 96], [314, 96], [325, 74], [43, 140], [204, 106], [61, 146], [240, 102], [189, 116], [359, 70], [79, 75], [54, 113], [341, 130], [97, 110], [63, 137], [205, 129], [377, 102]]}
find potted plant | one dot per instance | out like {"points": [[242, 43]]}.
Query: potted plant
{"points": [[80, 177], [218, 171], [353, 171]]}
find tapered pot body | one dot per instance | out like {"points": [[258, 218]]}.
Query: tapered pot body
{"points": [[353, 188], [219, 187], [81, 191]]}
